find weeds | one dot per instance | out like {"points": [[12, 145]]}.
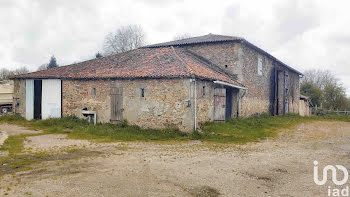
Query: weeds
{"points": [[240, 131], [243, 130]]}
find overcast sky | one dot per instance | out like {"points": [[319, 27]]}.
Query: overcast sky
{"points": [[303, 34]]}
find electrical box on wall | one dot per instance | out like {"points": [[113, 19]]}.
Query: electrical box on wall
{"points": [[187, 103]]}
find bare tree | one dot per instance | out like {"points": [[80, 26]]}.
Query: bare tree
{"points": [[21, 70], [4, 73], [320, 78], [332, 95], [124, 39], [182, 36], [42, 67]]}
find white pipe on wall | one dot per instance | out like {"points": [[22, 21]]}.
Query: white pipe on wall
{"points": [[195, 105], [228, 84]]}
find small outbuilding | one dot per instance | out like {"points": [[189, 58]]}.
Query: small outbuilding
{"points": [[305, 106]]}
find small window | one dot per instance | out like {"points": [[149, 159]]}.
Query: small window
{"points": [[142, 92], [203, 91], [259, 66], [93, 92]]}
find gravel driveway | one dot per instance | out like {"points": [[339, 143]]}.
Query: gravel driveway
{"points": [[282, 166]]}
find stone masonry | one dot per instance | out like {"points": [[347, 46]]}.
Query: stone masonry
{"points": [[164, 104], [241, 60]]}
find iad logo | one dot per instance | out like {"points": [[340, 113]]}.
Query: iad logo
{"points": [[332, 191], [334, 174]]}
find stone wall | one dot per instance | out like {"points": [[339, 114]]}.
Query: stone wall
{"points": [[241, 60], [163, 105], [167, 102], [288, 80], [77, 94], [205, 101], [294, 93], [19, 97], [260, 87]]}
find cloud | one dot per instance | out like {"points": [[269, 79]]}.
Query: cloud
{"points": [[304, 34]]}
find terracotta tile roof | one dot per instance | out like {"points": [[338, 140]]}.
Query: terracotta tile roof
{"points": [[165, 62]]}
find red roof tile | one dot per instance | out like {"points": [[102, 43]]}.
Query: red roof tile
{"points": [[164, 62]]}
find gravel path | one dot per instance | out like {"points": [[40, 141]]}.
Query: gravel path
{"points": [[3, 137], [52, 142], [282, 166], [16, 130]]}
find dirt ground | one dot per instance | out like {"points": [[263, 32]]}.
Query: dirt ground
{"points": [[282, 166]]}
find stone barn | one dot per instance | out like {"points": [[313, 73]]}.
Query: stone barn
{"points": [[174, 84]]}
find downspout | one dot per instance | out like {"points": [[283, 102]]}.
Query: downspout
{"points": [[275, 90], [195, 104]]}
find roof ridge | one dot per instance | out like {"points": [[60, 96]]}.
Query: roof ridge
{"points": [[195, 40], [181, 60]]}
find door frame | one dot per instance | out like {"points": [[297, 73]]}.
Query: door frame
{"points": [[219, 99], [230, 94]]}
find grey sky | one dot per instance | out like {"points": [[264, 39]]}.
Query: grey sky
{"points": [[303, 34]]}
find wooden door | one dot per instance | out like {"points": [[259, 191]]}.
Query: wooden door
{"points": [[116, 104], [219, 104]]}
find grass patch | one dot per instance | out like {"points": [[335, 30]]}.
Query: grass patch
{"points": [[18, 160], [254, 129], [80, 129], [240, 131], [15, 160], [243, 130]]}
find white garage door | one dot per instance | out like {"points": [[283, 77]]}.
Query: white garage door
{"points": [[51, 98], [29, 99]]}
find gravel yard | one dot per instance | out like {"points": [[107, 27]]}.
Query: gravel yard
{"points": [[282, 166]]}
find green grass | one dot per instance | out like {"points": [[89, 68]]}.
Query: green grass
{"points": [[254, 129], [240, 131], [243, 130], [15, 160], [80, 129]]}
